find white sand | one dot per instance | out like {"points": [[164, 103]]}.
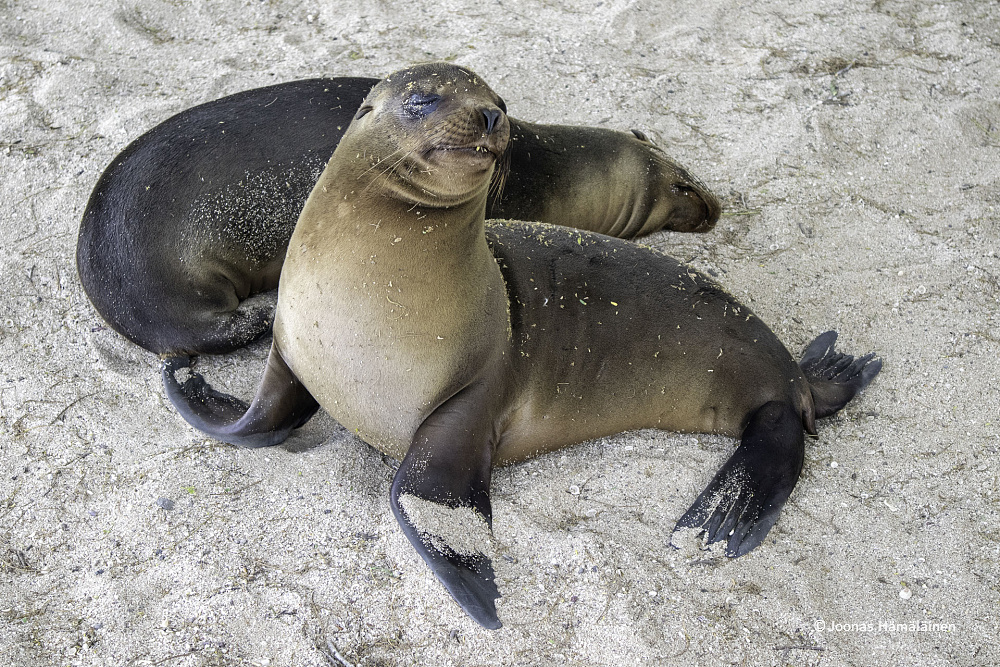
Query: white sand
{"points": [[857, 148]]}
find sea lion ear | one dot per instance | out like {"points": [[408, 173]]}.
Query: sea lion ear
{"points": [[440, 497], [641, 136], [363, 111]]}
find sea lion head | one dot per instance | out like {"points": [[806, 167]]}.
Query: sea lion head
{"points": [[682, 202], [430, 135]]}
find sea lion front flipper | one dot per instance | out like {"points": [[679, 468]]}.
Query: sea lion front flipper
{"points": [[743, 500], [281, 404], [440, 497]]}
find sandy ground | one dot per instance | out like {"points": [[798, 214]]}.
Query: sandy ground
{"points": [[857, 148]]}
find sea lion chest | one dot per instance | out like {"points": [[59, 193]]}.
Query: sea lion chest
{"points": [[384, 327]]}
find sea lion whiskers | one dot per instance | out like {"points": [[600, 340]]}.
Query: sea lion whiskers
{"points": [[445, 140], [385, 171], [378, 163], [499, 180], [384, 178]]}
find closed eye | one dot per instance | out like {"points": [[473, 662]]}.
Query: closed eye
{"points": [[363, 111], [419, 105]]}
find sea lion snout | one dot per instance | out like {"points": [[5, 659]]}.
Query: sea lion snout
{"points": [[492, 116], [698, 209], [693, 207], [496, 130], [476, 126]]}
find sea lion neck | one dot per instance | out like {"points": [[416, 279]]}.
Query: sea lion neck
{"points": [[356, 225]]}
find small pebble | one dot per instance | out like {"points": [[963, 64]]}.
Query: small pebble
{"points": [[165, 503], [834, 464], [574, 489], [905, 593]]}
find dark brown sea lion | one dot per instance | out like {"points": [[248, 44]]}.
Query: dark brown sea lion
{"points": [[456, 345], [187, 228]]}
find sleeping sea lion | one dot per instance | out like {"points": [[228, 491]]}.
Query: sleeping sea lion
{"points": [[187, 228], [455, 345]]}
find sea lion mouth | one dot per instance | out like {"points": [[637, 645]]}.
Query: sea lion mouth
{"points": [[477, 149], [477, 153]]}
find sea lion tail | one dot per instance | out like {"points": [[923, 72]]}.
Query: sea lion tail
{"points": [[835, 378], [281, 404]]}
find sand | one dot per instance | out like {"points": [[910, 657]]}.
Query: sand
{"points": [[856, 146]]}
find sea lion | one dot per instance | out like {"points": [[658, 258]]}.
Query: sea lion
{"points": [[192, 219], [455, 345]]}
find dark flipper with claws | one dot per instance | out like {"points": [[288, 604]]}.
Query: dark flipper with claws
{"points": [[743, 500], [835, 378], [282, 404], [449, 464]]}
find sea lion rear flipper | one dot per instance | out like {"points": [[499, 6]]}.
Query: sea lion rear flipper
{"points": [[440, 497], [281, 404], [835, 378], [743, 500]]}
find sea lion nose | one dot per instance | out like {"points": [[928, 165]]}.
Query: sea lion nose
{"points": [[492, 116]]}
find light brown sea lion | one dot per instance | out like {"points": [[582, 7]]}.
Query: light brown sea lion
{"points": [[455, 346], [186, 230]]}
